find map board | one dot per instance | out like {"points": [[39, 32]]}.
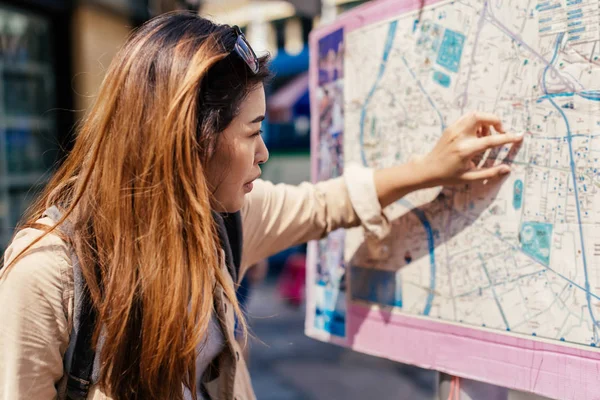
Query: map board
{"points": [[494, 282]]}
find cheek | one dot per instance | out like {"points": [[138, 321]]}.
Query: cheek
{"points": [[236, 164], [217, 168], [230, 168], [244, 152]]}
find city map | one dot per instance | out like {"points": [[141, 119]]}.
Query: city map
{"points": [[521, 255]]}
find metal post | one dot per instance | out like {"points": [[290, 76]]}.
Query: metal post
{"points": [[474, 390]]}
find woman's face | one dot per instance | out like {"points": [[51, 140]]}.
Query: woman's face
{"points": [[239, 153]]}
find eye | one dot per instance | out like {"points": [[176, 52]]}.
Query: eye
{"points": [[258, 133]]}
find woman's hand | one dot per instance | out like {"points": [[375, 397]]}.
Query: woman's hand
{"points": [[451, 161]]}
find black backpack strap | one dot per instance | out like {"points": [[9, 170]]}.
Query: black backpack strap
{"points": [[80, 355], [79, 374]]}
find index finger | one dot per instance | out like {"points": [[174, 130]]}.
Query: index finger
{"points": [[487, 119], [482, 144]]}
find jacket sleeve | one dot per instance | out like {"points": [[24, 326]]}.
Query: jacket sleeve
{"points": [[275, 217], [33, 329]]}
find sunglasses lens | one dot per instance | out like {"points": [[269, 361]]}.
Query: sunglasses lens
{"points": [[246, 53]]}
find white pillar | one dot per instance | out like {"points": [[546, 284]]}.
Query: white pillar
{"points": [[328, 11], [260, 32]]}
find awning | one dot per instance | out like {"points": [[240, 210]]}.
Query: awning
{"points": [[285, 64], [289, 101]]}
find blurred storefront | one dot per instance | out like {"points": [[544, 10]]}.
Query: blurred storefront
{"points": [[53, 57], [54, 54], [34, 63]]}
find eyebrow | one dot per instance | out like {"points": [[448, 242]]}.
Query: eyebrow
{"points": [[258, 119]]}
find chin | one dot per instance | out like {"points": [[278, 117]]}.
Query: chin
{"points": [[234, 205]]}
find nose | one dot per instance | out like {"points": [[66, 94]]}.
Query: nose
{"points": [[262, 153]]}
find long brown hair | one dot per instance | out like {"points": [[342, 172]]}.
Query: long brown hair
{"points": [[135, 192]]}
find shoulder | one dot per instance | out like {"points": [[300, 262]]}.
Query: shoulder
{"points": [[43, 270], [36, 297]]}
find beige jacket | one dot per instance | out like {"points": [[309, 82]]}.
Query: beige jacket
{"points": [[36, 295]]}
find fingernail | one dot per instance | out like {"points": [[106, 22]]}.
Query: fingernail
{"points": [[520, 134], [505, 170]]}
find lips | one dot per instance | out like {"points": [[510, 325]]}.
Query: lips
{"points": [[248, 186], [252, 180]]}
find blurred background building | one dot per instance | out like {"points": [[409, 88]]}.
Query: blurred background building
{"points": [[53, 57]]}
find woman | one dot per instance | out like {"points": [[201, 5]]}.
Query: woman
{"points": [[171, 145]]}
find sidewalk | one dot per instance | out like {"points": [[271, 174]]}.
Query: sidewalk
{"points": [[286, 365]]}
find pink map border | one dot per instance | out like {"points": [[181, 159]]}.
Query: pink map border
{"points": [[513, 361]]}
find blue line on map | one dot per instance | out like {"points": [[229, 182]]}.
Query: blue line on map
{"points": [[493, 290], [417, 212], [399, 291], [563, 137], [551, 7], [518, 249], [431, 246], [496, 22], [386, 53], [578, 286], [592, 95], [507, 32], [575, 189]]}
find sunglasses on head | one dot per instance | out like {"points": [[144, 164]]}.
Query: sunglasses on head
{"points": [[244, 51]]}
